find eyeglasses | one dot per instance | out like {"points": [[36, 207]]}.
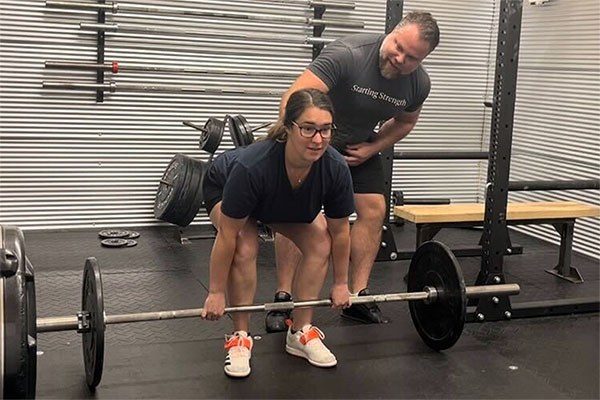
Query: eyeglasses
{"points": [[308, 131]]}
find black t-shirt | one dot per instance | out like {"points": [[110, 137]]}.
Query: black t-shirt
{"points": [[361, 96], [255, 183]]}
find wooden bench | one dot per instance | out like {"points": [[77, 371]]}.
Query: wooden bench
{"points": [[429, 219]]}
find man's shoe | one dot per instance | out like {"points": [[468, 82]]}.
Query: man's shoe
{"points": [[367, 313], [239, 348], [308, 343], [275, 320]]}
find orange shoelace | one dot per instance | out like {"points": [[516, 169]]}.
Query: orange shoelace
{"points": [[238, 341]]}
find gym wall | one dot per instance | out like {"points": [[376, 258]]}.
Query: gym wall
{"points": [[556, 127], [70, 162]]}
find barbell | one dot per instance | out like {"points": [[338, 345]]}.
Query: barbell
{"points": [[241, 132], [112, 86], [152, 30], [187, 11], [115, 67], [437, 298], [211, 133]]}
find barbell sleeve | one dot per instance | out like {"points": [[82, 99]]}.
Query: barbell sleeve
{"points": [[192, 125], [261, 126]]}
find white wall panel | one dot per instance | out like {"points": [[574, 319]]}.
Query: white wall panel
{"points": [[453, 116], [67, 161], [557, 113]]}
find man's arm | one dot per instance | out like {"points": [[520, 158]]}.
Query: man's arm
{"points": [[306, 80], [390, 132], [395, 129]]}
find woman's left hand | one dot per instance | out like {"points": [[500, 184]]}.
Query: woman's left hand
{"points": [[340, 296]]}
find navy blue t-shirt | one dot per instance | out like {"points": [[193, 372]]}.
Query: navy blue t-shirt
{"points": [[255, 184]]}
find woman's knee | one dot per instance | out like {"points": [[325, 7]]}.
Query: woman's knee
{"points": [[318, 243], [246, 250]]}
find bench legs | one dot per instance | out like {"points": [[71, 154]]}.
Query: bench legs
{"points": [[564, 269]]}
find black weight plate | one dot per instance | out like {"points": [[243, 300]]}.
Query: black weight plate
{"points": [[211, 136], [170, 187], [133, 235], [441, 322], [199, 170], [180, 202], [92, 301], [117, 242], [19, 364], [31, 326], [183, 197], [234, 132], [246, 134], [188, 202], [113, 233]]}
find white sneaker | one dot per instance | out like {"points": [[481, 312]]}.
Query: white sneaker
{"points": [[307, 343], [239, 347]]}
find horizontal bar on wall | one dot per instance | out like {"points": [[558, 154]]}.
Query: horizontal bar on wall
{"points": [[202, 32], [581, 184], [114, 7], [115, 67], [440, 155], [113, 87]]}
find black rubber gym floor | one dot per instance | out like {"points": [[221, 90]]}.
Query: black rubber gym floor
{"points": [[551, 357]]}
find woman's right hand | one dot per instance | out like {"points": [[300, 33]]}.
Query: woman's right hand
{"points": [[214, 306]]}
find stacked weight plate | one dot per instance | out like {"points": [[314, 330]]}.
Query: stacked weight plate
{"points": [[179, 194]]}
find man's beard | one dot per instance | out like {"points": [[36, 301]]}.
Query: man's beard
{"points": [[387, 70]]}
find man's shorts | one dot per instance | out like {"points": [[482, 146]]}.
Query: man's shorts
{"points": [[368, 177]]}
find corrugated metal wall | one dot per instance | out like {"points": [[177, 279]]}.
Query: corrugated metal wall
{"points": [[69, 162], [557, 113], [453, 115]]}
